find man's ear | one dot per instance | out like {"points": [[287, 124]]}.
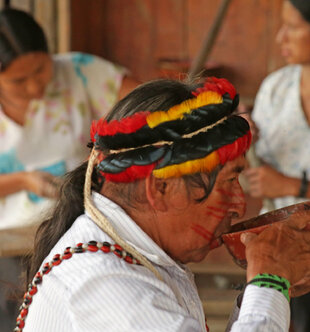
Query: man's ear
{"points": [[156, 192]]}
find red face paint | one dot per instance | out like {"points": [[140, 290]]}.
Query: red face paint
{"points": [[218, 217], [229, 193], [212, 208], [202, 231], [230, 204], [215, 212]]}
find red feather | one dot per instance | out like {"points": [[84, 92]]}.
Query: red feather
{"points": [[131, 174], [93, 130], [237, 148], [127, 125], [219, 85]]}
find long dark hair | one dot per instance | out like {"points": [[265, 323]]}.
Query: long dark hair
{"points": [[19, 34], [152, 96]]}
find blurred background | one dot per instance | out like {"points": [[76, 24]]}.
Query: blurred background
{"points": [[162, 38], [155, 38]]}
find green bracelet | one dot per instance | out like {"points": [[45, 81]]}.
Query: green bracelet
{"points": [[272, 281]]}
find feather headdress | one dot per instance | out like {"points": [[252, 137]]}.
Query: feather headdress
{"points": [[194, 136]]}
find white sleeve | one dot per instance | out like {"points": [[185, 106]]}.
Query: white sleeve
{"points": [[263, 310]]}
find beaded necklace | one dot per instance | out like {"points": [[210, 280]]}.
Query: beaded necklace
{"points": [[91, 246]]}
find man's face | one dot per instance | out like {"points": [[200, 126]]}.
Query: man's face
{"points": [[190, 227]]}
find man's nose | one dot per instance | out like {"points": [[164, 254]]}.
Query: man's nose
{"points": [[238, 204]]}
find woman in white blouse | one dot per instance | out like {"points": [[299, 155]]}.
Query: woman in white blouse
{"points": [[47, 105], [282, 115]]}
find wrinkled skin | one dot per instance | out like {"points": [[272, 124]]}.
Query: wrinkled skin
{"points": [[282, 249]]}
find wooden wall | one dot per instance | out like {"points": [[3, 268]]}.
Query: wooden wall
{"points": [[146, 35], [53, 16]]}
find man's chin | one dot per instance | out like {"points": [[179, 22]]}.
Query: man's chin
{"points": [[197, 256]]}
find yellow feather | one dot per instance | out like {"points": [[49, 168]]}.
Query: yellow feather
{"points": [[177, 111], [203, 165]]}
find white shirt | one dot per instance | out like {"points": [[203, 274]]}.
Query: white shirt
{"points": [[284, 131], [56, 132], [101, 292]]}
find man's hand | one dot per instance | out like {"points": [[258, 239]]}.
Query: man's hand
{"points": [[43, 184], [282, 249], [265, 181]]}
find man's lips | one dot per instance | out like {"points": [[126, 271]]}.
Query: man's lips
{"points": [[224, 228]]}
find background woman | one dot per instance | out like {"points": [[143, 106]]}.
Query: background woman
{"points": [[47, 104], [282, 114]]}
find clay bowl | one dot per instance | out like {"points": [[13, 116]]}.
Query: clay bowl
{"points": [[257, 225]]}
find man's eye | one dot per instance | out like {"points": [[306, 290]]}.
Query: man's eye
{"points": [[201, 199]]}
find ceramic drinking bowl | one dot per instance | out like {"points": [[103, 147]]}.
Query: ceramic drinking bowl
{"points": [[256, 225]]}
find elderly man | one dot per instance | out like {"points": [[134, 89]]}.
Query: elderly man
{"points": [[161, 186]]}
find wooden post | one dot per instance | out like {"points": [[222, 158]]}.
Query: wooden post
{"points": [[25, 5], [46, 14], [201, 58], [64, 26]]}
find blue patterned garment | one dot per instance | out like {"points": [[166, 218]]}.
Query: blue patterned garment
{"points": [[79, 60]]}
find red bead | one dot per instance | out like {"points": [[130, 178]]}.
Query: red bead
{"points": [[56, 263], [33, 290], [20, 323], [118, 253], [79, 244], [27, 299], [128, 259], [67, 255], [116, 246], [46, 268], [56, 260], [92, 248], [23, 313], [105, 249]]}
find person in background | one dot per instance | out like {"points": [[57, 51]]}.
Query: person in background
{"points": [[282, 115], [47, 104], [160, 186]]}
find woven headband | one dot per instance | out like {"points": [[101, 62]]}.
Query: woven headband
{"points": [[195, 136]]}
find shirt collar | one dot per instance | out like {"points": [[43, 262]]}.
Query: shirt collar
{"points": [[128, 230]]}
